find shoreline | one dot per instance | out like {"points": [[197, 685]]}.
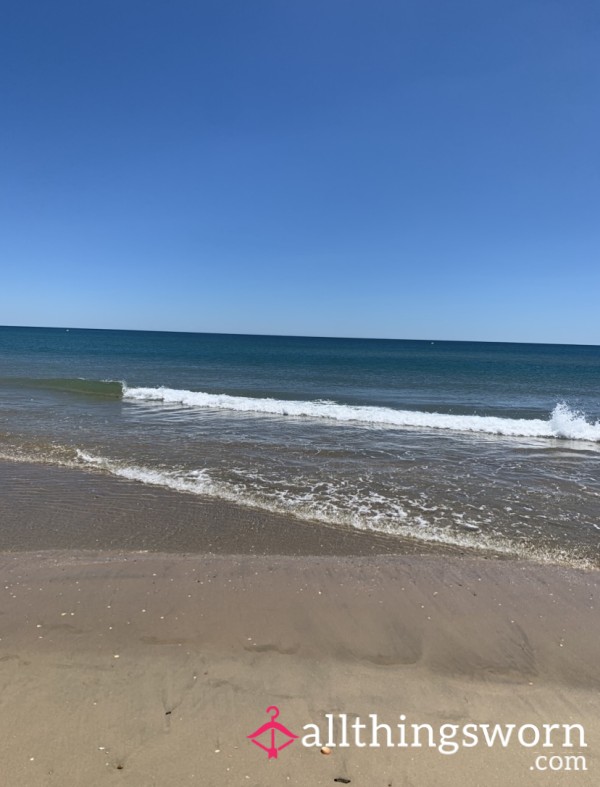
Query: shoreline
{"points": [[47, 507]]}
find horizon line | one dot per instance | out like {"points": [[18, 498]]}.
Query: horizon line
{"points": [[300, 336]]}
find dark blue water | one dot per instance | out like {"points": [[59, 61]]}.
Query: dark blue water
{"points": [[481, 444], [471, 377]]}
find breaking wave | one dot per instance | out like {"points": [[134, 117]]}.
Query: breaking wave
{"points": [[563, 422]]}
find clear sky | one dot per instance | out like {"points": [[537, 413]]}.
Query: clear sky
{"points": [[402, 168]]}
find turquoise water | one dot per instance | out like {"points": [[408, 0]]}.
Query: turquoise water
{"points": [[478, 444]]}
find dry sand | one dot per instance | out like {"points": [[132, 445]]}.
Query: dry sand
{"points": [[151, 669]]}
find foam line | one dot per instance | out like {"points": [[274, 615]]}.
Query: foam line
{"points": [[563, 422]]}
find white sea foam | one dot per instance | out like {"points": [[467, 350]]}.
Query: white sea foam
{"points": [[196, 482], [395, 521], [363, 514], [563, 422]]}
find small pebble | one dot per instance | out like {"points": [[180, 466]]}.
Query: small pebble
{"points": [[325, 750]]}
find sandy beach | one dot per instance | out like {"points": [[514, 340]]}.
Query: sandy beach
{"points": [[152, 668]]}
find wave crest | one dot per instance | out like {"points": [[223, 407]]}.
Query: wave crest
{"points": [[563, 423]]}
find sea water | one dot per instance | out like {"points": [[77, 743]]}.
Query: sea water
{"points": [[486, 446]]}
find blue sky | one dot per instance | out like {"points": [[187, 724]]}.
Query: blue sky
{"points": [[405, 169]]}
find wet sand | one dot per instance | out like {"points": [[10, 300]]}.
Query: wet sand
{"points": [[121, 667]]}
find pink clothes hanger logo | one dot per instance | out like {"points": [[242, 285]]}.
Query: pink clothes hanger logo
{"points": [[275, 736]]}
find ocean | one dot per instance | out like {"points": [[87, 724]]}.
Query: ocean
{"points": [[490, 447]]}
